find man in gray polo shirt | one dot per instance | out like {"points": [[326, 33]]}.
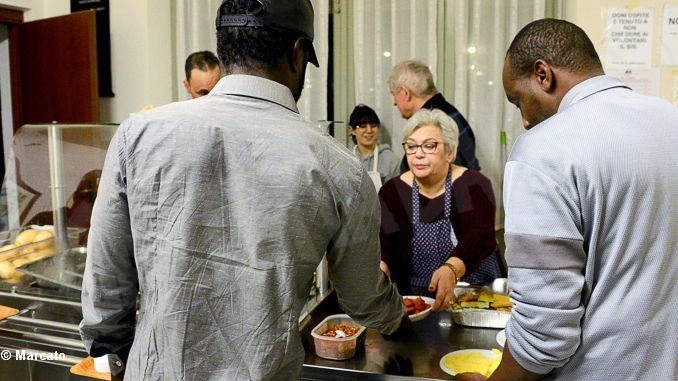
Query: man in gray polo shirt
{"points": [[591, 196]]}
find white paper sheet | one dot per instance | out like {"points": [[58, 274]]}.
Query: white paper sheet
{"points": [[628, 38], [670, 35], [644, 81]]}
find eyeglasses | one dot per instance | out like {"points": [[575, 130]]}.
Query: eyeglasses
{"points": [[365, 125], [426, 147]]}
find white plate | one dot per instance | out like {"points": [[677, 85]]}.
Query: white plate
{"points": [[424, 313], [501, 338], [449, 371]]}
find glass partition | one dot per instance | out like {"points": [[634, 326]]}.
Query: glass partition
{"points": [[78, 153], [46, 201]]}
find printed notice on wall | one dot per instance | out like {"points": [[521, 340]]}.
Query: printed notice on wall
{"points": [[670, 35], [644, 81], [675, 90], [628, 38]]}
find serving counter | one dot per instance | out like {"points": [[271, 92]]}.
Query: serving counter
{"points": [[47, 294], [415, 359], [48, 323]]}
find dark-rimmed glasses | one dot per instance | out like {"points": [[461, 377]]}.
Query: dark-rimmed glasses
{"points": [[426, 147]]}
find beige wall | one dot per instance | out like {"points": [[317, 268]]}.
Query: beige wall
{"points": [[141, 51], [590, 16], [142, 46]]}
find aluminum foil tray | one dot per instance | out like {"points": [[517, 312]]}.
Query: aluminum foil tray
{"points": [[474, 317]]}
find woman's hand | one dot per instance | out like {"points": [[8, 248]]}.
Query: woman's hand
{"points": [[442, 283], [384, 267]]}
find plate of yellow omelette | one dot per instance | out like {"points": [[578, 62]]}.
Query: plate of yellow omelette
{"points": [[480, 361]]}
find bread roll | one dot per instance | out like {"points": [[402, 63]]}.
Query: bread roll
{"points": [[6, 247], [46, 239], [7, 270], [21, 261], [39, 254], [16, 278], [26, 236]]}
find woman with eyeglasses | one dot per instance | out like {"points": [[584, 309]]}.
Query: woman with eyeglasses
{"points": [[437, 222], [382, 163]]}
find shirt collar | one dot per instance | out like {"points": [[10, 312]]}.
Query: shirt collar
{"points": [[256, 87], [589, 87]]}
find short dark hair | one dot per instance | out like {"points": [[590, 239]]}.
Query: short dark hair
{"points": [[362, 114], [560, 43], [204, 61], [251, 47]]}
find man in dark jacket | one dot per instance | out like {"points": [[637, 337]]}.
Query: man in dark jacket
{"points": [[411, 85]]}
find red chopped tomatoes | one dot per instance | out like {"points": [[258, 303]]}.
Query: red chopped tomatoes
{"points": [[415, 305]]}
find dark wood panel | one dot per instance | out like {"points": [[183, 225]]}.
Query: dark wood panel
{"points": [[11, 16], [54, 70]]}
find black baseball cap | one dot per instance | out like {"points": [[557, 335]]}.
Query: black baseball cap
{"points": [[289, 15]]}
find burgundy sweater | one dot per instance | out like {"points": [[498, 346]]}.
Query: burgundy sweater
{"points": [[472, 216]]}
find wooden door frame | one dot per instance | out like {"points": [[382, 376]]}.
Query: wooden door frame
{"points": [[13, 17], [10, 17], [23, 110]]}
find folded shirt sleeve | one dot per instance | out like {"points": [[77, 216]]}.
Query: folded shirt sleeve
{"points": [[363, 291], [546, 259], [110, 284]]}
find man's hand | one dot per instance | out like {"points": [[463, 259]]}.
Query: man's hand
{"points": [[404, 331], [399, 365], [508, 370], [470, 377]]}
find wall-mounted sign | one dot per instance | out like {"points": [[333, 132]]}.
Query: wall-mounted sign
{"points": [[628, 38], [670, 35], [103, 20], [644, 81]]}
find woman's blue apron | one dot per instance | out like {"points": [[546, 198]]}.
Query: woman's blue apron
{"points": [[432, 245]]}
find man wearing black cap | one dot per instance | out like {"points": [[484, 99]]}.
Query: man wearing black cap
{"points": [[219, 219]]}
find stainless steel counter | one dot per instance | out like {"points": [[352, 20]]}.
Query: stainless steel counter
{"points": [[419, 357], [43, 340], [48, 323]]}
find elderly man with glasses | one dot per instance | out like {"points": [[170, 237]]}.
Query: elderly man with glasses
{"points": [[412, 88]]}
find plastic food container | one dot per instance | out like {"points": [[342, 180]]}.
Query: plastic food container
{"points": [[333, 348]]}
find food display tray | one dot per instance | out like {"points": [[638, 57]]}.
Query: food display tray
{"points": [[8, 237], [476, 317]]}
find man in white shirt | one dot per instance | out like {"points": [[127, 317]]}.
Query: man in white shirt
{"points": [[202, 73]]}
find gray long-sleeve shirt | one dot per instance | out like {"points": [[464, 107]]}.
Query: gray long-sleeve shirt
{"points": [[217, 211], [388, 165], [591, 198]]}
